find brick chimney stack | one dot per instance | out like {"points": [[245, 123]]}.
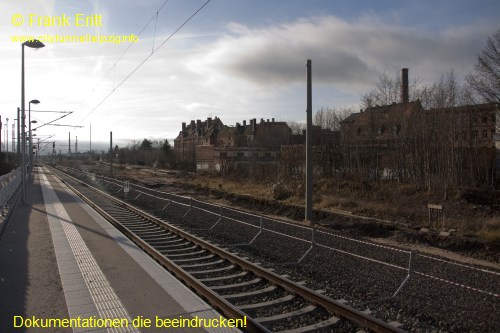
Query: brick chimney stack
{"points": [[404, 86]]}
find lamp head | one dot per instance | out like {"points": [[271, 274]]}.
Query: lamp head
{"points": [[35, 101], [34, 44]]}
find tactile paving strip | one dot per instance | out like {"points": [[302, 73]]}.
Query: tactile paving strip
{"points": [[80, 274]]}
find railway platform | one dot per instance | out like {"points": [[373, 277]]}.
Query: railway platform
{"points": [[63, 266]]}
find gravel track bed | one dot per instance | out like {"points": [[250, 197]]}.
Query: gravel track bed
{"points": [[252, 287], [316, 316], [424, 304], [275, 294], [279, 309]]}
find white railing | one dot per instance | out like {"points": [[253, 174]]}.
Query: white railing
{"points": [[8, 184]]}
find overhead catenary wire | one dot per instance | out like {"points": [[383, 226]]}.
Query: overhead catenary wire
{"points": [[146, 58], [130, 45]]}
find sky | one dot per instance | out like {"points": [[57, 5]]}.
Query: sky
{"points": [[234, 59]]}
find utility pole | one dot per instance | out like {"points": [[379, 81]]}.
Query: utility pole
{"points": [[69, 144], [309, 155], [19, 137], [7, 135], [111, 154], [13, 136]]}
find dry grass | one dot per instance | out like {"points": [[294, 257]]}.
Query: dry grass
{"points": [[391, 201], [490, 229], [334, 202], [384, 200], [240, 187]]}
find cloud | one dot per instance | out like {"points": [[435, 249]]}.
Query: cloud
{"points": [[241, 72], [348, 55]]}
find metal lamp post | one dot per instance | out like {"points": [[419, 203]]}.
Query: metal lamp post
{"points": [[7, 135], [32, 144], [18, 150], [34, 101], [34, 44], [37, 149], [309, 151]]}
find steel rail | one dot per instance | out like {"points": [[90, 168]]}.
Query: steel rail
{"points": [[213, 298], [294, 225], [353, 315]]}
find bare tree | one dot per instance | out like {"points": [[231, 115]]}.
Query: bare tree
{"points": [[330, 118], [485, 79], [447, 92], [296, 127], [388, 91]]}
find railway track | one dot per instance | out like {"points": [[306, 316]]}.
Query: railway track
{"points": [[235, 286]]}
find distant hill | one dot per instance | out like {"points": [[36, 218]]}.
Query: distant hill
{"points": [[98, 146]]}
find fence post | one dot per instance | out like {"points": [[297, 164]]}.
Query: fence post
{"points": [[190, 207], [260, 231], [169, 202], [410, 263]]}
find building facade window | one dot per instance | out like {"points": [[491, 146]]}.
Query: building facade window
{"points": [[381, 130]]}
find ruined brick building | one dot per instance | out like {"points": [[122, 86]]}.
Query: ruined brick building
{"points": [[457, 146], [194, 144], [252, 147], [406, 142]]}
